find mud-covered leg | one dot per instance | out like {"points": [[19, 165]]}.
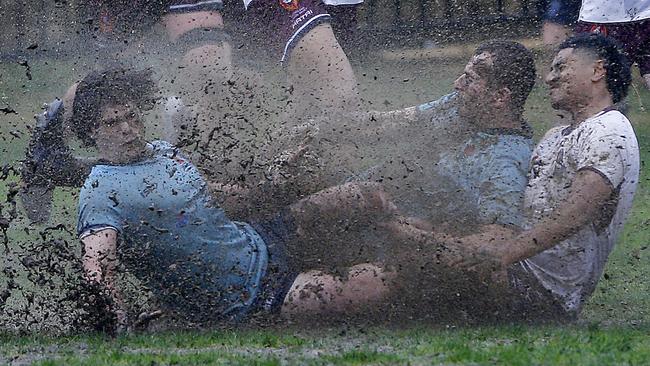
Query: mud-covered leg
{"points": [[329, 224]]}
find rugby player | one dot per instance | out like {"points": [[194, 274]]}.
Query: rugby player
{"points": [[192, 30], [581, 183], [154, 203]]}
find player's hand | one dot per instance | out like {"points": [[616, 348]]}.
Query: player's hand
{"points": [[285, 165], [144, 319], [45, 146], [127, 323]]}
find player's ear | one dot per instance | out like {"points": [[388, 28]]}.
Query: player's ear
{"points": [[599, 70], [503, 96]]}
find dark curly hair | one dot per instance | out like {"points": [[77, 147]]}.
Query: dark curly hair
{"points": [[513, 68], [616, 63], [112, 86]]}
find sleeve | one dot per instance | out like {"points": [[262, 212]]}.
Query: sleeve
{"points": [[440, 112], [502, 188], [97, 210], [603, 152], [187, 6]]}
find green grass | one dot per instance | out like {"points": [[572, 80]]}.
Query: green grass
{"points": [[613, 329], [511, 345]]}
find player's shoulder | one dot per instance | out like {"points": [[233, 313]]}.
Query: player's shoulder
{"points": [[161, 147], [608, 122], [554, 133]]}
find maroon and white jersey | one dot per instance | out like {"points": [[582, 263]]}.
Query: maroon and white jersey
{"points": [[294, 18], [187, 6]]}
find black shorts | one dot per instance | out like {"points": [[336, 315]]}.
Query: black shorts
{"points": [[200, 37], [279, 277]]}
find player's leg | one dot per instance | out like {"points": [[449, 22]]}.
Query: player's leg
{"points": [[338, 227], [559, 18], [318, 70], [321, 73], [364, 287], [643, 50]]}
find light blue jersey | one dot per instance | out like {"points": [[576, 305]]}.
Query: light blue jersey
{"points": [[491, 170], [172, 234], [454, 176]]}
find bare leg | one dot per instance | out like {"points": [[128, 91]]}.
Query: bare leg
{"points": [[178, 24], [318, 293], [553, 33], [321, 73], [348, 201], [338, 227]]}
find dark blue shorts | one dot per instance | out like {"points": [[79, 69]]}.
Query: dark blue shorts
{"points": [[563, 12], [276, 233]]}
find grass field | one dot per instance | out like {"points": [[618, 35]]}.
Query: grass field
{"points": [[511, 345], [614, 327]]}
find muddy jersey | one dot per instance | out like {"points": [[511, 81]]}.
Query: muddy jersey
{"points": [[614, 11], [172, 236], [607, 145], [451, 174]]}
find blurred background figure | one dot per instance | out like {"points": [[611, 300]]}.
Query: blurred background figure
{"points": [[627, 22], [559, 20]]}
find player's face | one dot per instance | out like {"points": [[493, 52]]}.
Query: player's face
{"points": [[472, 86], [569, 79], [120, 129]]}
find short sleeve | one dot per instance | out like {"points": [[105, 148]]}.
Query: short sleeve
{"points": [[97, 210], [502, 186], [603, 152]]}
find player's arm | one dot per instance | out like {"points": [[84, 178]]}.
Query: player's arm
{"points": [[423, 116], [100, 263], [48, 162], [100, 258], [589, 194]]}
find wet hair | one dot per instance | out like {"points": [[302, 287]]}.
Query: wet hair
{"points": [[112, 86], [616, 63], [513, 67]]}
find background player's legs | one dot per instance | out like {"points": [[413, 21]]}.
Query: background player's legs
{"points": [[321, 73], [559, 19]]}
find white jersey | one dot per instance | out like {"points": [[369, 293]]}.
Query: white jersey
{"points": [[606, 144], [326, 2], [342, 2], [614, 11]]}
